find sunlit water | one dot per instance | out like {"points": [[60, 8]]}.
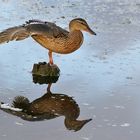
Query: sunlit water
{"points": [[102, 76]]}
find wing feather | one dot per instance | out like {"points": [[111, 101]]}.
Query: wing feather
{"points": [[31, 28], [14, 33]]}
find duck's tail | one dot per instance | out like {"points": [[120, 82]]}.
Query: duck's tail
{"points": [[14, 33], [21, 102]]}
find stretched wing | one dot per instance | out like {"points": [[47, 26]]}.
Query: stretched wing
{"points": [[32, 28], [14, 33]]}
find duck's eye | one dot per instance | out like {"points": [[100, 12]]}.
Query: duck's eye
{"points": [[82, 23]]}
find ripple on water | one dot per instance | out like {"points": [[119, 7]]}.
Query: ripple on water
{"points": [[125, 125]]}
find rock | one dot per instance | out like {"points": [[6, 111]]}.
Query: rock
{"points": [[44, 69], [44, 73]]}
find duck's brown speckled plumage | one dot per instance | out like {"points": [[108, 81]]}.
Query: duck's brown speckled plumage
{"points": [[63, 44]]}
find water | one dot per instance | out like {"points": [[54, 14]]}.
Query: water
{"points": [[102, 76]]}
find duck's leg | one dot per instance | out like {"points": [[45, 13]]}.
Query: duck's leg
{"points": [[50, 58], [49, 88]]}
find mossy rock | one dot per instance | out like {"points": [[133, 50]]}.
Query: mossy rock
{"points": [[45, 69]]}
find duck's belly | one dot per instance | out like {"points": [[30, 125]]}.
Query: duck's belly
{"points": [[58, 45]]}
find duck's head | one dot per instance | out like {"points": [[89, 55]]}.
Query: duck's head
{"points": [[75, 125], [80, 24]]}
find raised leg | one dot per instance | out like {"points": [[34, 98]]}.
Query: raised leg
{"points": [[50, 58]]}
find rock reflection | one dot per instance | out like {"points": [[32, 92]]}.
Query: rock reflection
{"points": [[44, 79], [49, 106]]}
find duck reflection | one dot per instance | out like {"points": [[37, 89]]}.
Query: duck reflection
{"points": [[49, 106]]}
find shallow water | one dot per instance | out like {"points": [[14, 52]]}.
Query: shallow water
{"points": [[102, 76]]}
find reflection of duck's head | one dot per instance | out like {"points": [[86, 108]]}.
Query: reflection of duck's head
{"points": [[75, 124]]}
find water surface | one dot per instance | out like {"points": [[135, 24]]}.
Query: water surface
{"points": [[102, 76]]}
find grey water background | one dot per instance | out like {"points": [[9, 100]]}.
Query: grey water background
{"points": [[102, 76]]}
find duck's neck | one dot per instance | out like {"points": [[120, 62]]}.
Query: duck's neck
{"points": [[76, 33], [75, 38]]}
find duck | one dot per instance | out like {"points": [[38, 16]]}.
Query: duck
{"points": [[49, 35]]}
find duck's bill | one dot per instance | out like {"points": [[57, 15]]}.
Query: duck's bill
{"points": [[91, 31]]}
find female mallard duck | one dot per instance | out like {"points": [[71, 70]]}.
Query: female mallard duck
{"points": [[49, 35]]}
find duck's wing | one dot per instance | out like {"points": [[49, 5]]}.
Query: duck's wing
{"points": [[32, 28], [46, 29], [14, 33]]}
